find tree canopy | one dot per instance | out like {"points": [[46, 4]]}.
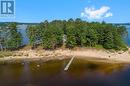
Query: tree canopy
{"points": [[10, 38], [77, 33]]}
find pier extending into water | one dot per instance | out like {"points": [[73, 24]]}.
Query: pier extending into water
{"points": [[68, 65]]}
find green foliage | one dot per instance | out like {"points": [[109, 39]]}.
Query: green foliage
{"points": [[15, 41], [12, 39], [32, 32], [78, 33], [122, 31], [71, 37], [91, 37], [49, 35], [52, 36]]}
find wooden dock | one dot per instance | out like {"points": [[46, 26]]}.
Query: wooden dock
{"points": [[68, 65]]}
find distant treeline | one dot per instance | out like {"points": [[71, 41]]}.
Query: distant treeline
{"points": [[121, 23], [18, 23], [77, 33]]}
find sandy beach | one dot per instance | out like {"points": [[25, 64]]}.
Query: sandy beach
{"points": [[60, 54]]}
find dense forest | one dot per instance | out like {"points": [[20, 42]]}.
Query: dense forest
{"points": [[70, 34], [77, 33], [10, 38]]}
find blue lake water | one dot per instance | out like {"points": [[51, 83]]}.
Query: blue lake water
{"points": [[22, 30], [128, 38]]}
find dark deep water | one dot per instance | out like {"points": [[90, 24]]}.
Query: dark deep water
{"points": [[80, 73]]}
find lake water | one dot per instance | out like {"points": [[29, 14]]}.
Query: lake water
{"points": [[128, 38], [80, 73], [22, 30]]}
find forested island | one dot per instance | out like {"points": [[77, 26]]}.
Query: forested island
{"points": [[64, 34]]}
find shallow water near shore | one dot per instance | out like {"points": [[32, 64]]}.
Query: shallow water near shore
{"points": [[51, 73]]}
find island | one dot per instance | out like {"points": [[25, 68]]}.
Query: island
{"points": [[63, 39]]}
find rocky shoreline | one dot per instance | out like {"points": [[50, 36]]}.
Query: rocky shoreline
{"points": [[61, 54]]}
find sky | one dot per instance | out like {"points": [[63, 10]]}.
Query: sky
{"points": [[112, 11]]}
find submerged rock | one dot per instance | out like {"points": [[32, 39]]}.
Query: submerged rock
{"points": [[38, 65]]}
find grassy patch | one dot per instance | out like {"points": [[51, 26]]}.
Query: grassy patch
{"points": [[5, 54], [99, 47]]}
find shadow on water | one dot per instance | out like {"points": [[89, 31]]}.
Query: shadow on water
{"points": [[51, 73]]}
